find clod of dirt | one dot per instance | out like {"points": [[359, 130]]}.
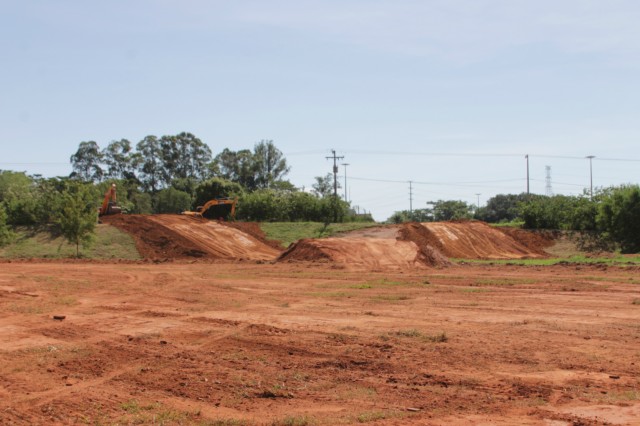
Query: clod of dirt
{"points": [[59, 317]]}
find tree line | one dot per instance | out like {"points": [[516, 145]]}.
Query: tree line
{"points": [[167, 174], [609, 219]]}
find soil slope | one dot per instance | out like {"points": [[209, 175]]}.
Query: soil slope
{"points": [[184, 237], [390, 247], [477, 240]]}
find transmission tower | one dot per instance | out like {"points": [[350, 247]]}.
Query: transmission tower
{"points": [[548, 190]]}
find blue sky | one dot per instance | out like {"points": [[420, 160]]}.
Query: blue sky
{"points": [[390, 85]]}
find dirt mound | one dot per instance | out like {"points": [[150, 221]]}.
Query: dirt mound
{"points": [[180, 237], [476, 240], [426, 243], [380, 247], [374, 253], [253, 229], [533, 240]]}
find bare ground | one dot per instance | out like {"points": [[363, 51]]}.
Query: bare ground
{"points": [[295, 344]]}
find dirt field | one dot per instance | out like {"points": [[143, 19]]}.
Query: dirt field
{"points": [[297, 344]]}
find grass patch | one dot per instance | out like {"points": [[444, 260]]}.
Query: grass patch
{"points": [[293, 421], [371, 416], [390, 298], [502, 281], [416, 334], [331, 294], [43, 242], [289, 232]]}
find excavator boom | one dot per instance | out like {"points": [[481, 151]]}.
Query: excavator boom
{"points": [[200, 210]]}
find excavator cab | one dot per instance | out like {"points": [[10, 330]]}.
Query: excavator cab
{"points": [[109, 205]]}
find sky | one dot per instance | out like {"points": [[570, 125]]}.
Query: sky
{"points": [[448, 94]]}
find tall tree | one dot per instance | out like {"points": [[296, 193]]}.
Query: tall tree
{"points": [[86, 162], [121, 161], [323, 187], [270, 164], [150, 165], [237, 166], [185, 156]]}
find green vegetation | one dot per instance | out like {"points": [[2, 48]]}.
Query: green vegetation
{"points": [[77, 217], [45, 242], [413, 333], [288, 232]]}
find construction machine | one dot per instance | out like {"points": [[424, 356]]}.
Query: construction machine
{"points": [[109, 205], [200, 210]]}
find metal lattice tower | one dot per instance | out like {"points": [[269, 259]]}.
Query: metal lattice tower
{"points": [[548, 189]]}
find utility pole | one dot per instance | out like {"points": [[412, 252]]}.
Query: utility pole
{"points": [[478, 195], [548, 189], [527, 157], [335, 183], [410, 197], [346, 198], [591, 157]]}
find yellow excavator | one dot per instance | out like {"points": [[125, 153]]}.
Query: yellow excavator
{"points": [[109, 205], [200, 210]]}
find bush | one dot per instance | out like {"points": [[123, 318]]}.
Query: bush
{"points": [[171, 200], [6, 235], [619, 217]]}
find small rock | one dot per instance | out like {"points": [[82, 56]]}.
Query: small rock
{"points": [[59, 317], [614, 377], [413, 409]]}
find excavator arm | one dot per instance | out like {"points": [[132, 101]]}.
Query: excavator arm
{"points": [[200, 210]]}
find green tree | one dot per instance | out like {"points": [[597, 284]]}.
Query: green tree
{"points": [[77, 216], [120, 160], [323, 186], [184, 156], [6, 235], [216, 188], [150, 164], [619, 217], [171, 200], [417, 215], [19, 195], [501, 208], [86, 162], [269, 164], [442, 210], [237, 166]]}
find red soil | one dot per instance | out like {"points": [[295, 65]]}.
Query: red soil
{"points": [[477, 240], [187, 237], [384, 247]]}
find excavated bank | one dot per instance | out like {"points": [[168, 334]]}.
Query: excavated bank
{"points": [[478, 240], [372, 253], [392, 247], [187, 237]]}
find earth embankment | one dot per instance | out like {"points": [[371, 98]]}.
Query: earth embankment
{"points": [[187, 237]]}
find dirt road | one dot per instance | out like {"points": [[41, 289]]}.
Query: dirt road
{"points": [[296, 344]]}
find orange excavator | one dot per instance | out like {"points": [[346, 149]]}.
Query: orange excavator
{"points": [[109, 205], [200, 210]]}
